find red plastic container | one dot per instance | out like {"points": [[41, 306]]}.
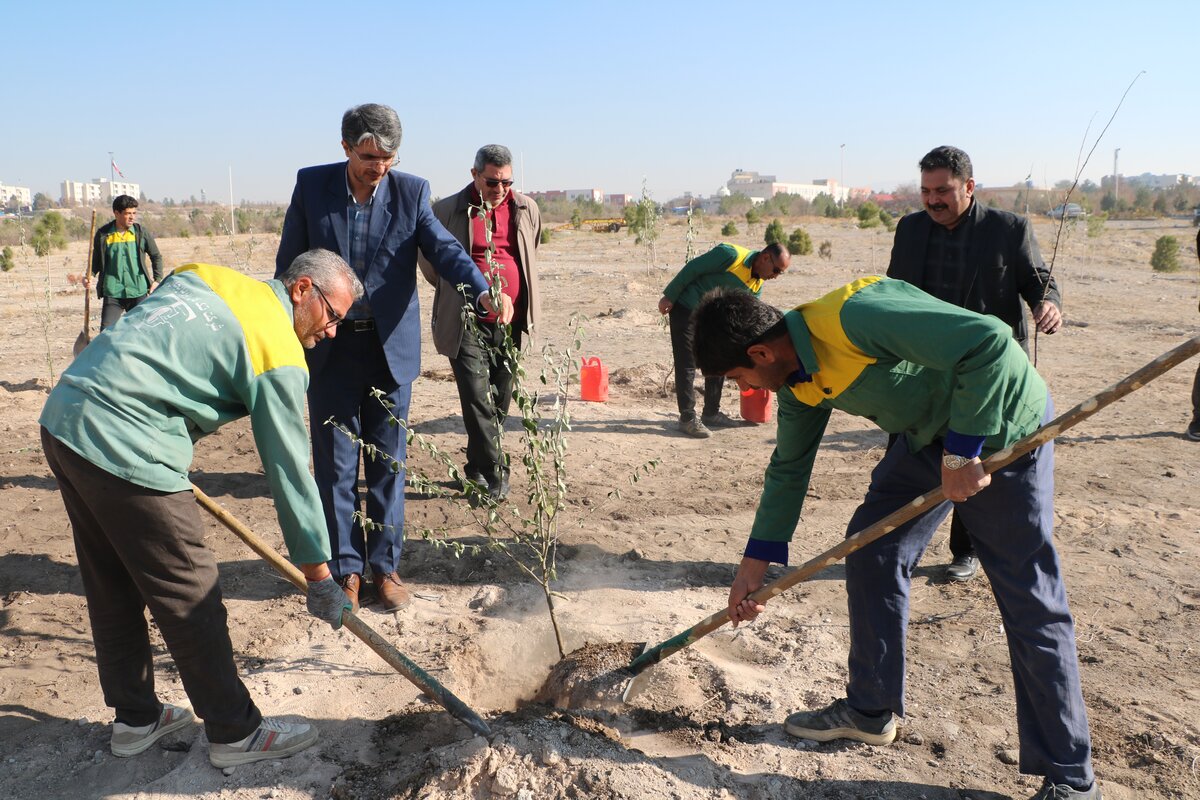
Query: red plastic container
{"points": [[593, 380], [756, 405]]}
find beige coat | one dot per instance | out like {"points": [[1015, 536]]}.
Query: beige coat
{"points": [[452, 212]]}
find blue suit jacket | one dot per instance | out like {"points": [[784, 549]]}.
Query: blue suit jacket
{"points": [[401, 222]]}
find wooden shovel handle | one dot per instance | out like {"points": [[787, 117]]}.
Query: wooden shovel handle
{"points": [[926, 501], [397, 660], [87, 290]]}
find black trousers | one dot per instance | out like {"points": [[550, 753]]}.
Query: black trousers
{"points": [[113, 307], [1196, 398], [140, 548], [680, 318], [485, 379]]}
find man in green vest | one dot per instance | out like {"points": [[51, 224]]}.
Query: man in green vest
{"points": [[726, 265], [119, 262]]}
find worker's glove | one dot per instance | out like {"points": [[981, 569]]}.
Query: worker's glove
{"points": [[326, 601]]}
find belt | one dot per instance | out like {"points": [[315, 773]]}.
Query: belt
{"points": [[359, 325]]}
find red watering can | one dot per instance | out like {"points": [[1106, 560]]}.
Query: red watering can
{"points": [[756, 405], [593, 380]]}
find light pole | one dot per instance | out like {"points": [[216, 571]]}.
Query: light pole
{"points": [[842, 178], [1116, 180]]}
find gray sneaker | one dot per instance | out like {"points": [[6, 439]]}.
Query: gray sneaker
{"points": [[694, 428], [274, 738], [720, 420], [840, 721], [1193, 431], [1061, 791], [128, 740]]}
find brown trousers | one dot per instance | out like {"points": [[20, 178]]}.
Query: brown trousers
{"points": [[139, 548]]}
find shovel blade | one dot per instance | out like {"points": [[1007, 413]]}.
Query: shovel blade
{"points": [[637, 680], [81, 342]]}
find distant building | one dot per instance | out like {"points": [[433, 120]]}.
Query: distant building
{"points": [[21, 194], [1149, 181], [618, 200], [595, 195], [760, 187], [100, 190]]}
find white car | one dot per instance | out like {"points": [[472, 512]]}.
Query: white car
{"points": [[1069, 211]]}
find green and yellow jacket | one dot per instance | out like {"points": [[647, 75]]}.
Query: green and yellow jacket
{"points": [[209, 346], [725, 265], [912, 364]]}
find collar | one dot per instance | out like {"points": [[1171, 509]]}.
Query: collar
{"points": [[806, 358]]}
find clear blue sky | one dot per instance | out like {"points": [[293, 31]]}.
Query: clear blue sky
{"points": [[594, 94]]}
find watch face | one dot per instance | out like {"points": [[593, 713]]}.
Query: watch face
{"points": [[955, 462]]}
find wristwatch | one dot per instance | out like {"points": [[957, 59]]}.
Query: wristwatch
{"points": [[951, 461]]}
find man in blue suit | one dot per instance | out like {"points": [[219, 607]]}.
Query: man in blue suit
{"points": [[376, 219]]}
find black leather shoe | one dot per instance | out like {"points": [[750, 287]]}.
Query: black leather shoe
{"points": [[962, 568], [498, 490]]}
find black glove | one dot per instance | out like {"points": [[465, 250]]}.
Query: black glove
{"points": [[326, 601]]}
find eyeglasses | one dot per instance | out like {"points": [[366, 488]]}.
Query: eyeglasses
{"points": [[494, 182], [386, 161], [334, 319]]}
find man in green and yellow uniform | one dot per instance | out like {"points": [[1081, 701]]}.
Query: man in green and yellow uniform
{"points": [[953, 385], [725, 265], [119, 262], [209, 347]]}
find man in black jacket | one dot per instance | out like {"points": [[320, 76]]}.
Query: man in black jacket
{"points": [[975, 257], [119, 262]]}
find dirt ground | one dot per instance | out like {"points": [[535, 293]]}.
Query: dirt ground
{"points": [[641, 567]]}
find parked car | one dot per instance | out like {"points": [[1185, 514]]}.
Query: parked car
{"points": [[1069, 210], [1196, 216]]}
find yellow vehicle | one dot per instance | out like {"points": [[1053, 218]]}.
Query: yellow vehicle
{"points": [[606, 225]]}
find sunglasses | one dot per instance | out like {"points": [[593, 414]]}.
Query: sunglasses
{"points": [[494, 182]]}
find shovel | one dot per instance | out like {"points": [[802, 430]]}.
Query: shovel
{"points": [[85, 336], [636, 669], [398, 661]]}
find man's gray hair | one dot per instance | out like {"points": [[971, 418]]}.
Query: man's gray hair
{"points": [[372, 122], [495, 154], [325, 268]]}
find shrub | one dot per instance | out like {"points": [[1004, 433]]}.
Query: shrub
{"points": [[6, 260], [49, 234], [775, 233], [799, 243], [1166, 255], [753, 216], [1095, 225], [544, 236], [825, 251], [868, 215], [729, 229], [644, 219]]}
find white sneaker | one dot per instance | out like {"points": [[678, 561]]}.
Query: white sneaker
{"points": [[274, 738], [128, 740]]}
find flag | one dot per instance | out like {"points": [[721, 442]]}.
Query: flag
{"points": [[118, 169]]}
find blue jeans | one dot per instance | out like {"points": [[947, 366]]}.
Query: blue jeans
{"points": [[1011, 525], [355, 366]]}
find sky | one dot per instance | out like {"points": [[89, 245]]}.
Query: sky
{"points": [[606, 95]]}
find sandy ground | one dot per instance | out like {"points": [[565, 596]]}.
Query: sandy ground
{"points": [[639, 568]]}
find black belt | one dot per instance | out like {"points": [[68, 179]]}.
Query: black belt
{"points": [[359, 325]]}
